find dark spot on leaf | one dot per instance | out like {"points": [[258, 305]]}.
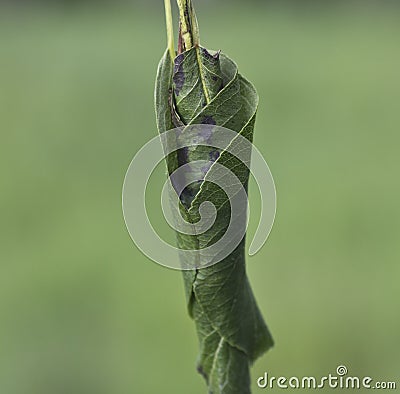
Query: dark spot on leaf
{"points": [[179, 75], [179, 80], [209, 120], [200, 370], [208, 55], [214, 155], [188, 194], [183, 155]]}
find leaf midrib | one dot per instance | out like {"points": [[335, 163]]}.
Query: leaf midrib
{"points": [[202, 78]]}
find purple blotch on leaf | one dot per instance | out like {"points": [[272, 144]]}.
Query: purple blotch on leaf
{"points": [[209, 120], [179, 74], [214, 155]]}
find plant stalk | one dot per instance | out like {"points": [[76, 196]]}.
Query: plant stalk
{"points": [[170, 28], [189, 36]]}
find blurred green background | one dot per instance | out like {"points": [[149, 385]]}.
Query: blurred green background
{"points": [[81, 309]]}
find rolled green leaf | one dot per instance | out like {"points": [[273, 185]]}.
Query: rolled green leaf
{"points": [[197, 87]]}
